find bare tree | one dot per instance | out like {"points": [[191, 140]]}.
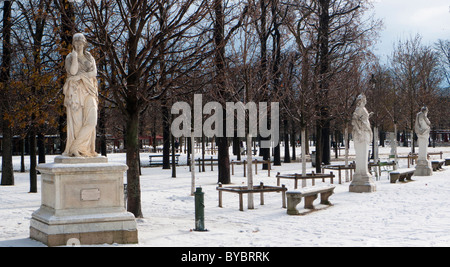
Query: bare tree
{"points": [[223, 92], [417, 77], [443, 49], [334, 31], [129, 33]]}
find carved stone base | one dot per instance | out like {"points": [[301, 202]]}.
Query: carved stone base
{"points": [[362, 184], [423, 168], [91, 229], [82, 201]]}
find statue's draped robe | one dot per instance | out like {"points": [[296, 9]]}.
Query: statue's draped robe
{"points": [[81, 102], [362, 131], [362, 136]]}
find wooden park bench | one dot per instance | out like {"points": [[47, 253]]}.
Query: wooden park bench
{"points": [[382, 167], [159, 160], [410, 158], [256, 189], [437, 164], [313, 176], [255, 161], [447, 162], [211, 161], [338, 168], [435, 154], [401, 175], [295, 197]]}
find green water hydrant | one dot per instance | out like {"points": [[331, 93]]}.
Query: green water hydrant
{"points": [[199, 210]]}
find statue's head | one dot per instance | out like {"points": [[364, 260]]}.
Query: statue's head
{"points": [[361, 100], [424, 109], [79, 39]]}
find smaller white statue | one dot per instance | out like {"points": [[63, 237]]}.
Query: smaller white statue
{"points": [[423, 124], [362, 132], [81, 100], [362, 137], [423, 128]]}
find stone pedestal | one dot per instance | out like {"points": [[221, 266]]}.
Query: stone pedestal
{"points": [[423, 167], [362, 179], [362, 184], [82, 200]]}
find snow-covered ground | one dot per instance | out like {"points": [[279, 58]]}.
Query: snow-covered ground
{"points": [[402, 214]]}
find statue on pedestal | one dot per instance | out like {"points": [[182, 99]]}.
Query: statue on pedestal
{"points": [[81, 100], [362, 137], [82, 193], [423, 128]]}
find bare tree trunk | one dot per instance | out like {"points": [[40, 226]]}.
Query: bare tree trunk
{"points": [[293, 141], [22, 154], [67, 30], [41, 148], [219, 38], [287, 156], [249, 171], [132, 147], [275, 70], [303, 156], [193, 164], [174, 169], [166, 136], [7, 164], [263, 74], [324, 61], [33, 163], [346, 143]]}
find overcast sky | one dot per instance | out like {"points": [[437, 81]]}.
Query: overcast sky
{"points": [[405, 18]]}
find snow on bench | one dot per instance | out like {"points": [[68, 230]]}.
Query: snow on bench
{"points": [[401, 175], [310, 194], [437, 164]]}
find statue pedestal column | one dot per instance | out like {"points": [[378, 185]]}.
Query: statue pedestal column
{"points": [[82, 201], [423, 167], [362, 179]]}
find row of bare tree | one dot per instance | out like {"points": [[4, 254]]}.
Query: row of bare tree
{"points": [[311, 56]]}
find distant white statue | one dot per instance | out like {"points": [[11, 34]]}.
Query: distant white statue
{"points": [[423, 124], [423, 128], [81, 100], [362, 137], [362, 132]]}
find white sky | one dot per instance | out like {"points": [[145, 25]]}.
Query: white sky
{"points": [[405, 18]]}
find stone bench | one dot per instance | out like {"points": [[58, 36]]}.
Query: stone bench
{"points": [[401, 175], [295, 197], [437, 164]]}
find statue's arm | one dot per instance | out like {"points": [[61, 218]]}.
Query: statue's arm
{"points": [[93, 73], [72, 63], [427, 121]]}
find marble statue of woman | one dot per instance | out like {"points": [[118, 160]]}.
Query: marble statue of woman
{"points": [[362, 137], [81, 100], [423, 124], [423, 128], [362, 132]]}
